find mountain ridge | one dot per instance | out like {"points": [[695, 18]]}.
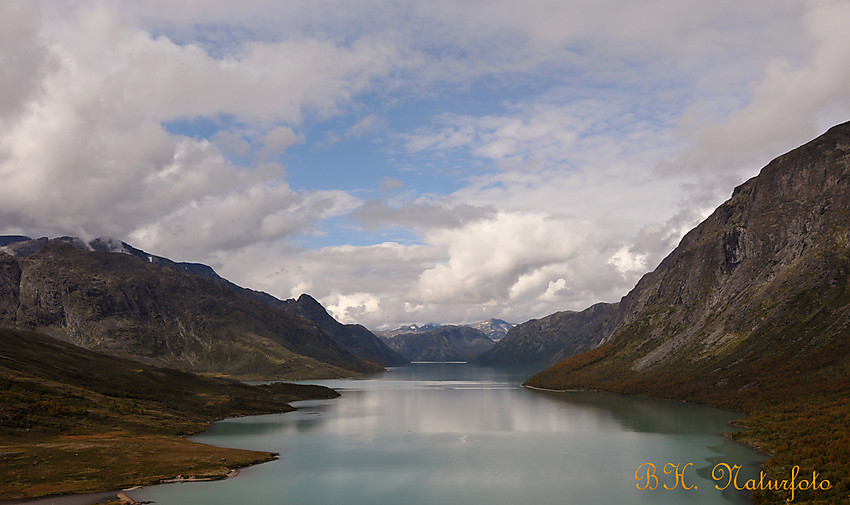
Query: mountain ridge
{"points": [[547, 340], [128, 304], [495, 329], [751, 311], [444, 343]]}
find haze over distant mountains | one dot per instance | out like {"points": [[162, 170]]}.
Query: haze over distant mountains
{"points": [[108, 296]]}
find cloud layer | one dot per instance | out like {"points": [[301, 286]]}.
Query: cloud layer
{"points": [[472, 159]]}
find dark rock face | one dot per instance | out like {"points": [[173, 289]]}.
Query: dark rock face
{"points": [[547, 340], [354, 338], [762, 283], [130, 306], [446, 343]]}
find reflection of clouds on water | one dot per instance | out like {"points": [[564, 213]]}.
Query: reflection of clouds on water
{"points": [[433, 433]]}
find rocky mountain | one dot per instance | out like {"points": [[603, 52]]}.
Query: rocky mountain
{"points": [[161, 312], [353, 337], [547, 340], [409, 328], [445, 343], [751, 311], [495, 329]]}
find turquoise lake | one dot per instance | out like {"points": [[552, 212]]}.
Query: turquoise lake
{"points": [[451, 433]]}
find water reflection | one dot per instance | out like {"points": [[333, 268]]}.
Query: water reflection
{"points": [[444, 433], [648, 415]]}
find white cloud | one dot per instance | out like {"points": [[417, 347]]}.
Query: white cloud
{"points": [[511, 264], [24, 58], [795, 99], [418, 215], [363, 126], [87, 151], [279, 139], [391, 183], [620, 125]]}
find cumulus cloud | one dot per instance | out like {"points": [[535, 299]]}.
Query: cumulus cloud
{"points": [[24, 57], [279, 139], [391, 183], [585, 137], [418, 215], [90, 153], [795, 99], [487, 259]]}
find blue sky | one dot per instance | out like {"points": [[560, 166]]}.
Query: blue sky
{"points": [[407, 162]]}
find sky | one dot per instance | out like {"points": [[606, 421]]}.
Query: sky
{"points": [[407, 161]]}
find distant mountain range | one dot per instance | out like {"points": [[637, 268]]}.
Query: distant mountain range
{"points": [[493, 329], [441, 343], [547, 340], [108, 296]]}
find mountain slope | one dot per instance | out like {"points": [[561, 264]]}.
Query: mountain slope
{"points": [[494, 329], [67, 413], [547, 340], [354, 338], [751, 311], [129, 306], [445, 343]]}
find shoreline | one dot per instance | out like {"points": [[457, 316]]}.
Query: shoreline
{"points": [[165, 459], [66, 499], [116, 495]]}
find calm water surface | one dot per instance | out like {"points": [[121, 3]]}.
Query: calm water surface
{"points": [[432, 433]]}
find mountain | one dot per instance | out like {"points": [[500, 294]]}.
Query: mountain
{"points": [[75, 421], [355, 339], [751, 311], [136, 305], [445, 343], [411, 328], [495, 329], [547, 340], [352, 337]]}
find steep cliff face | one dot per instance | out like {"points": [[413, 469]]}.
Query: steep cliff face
{"points": [[760, 287], [751, 312], [129, 306], [548, 340]]}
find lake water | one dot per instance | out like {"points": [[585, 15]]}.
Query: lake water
{"points": [[437, 433]]}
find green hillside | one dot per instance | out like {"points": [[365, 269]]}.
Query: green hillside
{"points": [[73, 420]]}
